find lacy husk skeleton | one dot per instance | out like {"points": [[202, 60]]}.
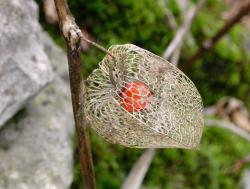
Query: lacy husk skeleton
{"points": [[172, 116]]}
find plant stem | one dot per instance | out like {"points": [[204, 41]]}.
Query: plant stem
{"points": [[71, 34], [209, 44]]}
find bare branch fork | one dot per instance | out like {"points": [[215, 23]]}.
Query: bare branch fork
{"points": [[73, 36]]}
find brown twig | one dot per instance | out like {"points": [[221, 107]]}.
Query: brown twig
{"points": [[209, 44], [71, 34]]}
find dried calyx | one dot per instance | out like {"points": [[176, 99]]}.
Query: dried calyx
{"points": [[140, 100]]}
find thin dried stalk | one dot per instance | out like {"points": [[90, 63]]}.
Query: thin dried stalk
{"points": [[71, 34]]}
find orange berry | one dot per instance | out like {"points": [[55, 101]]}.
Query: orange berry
{"points": [[135, 96]]}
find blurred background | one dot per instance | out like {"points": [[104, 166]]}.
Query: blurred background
{"points": [[221, 75]]}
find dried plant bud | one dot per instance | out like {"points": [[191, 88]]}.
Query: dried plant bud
{"points": [[141, 100]]}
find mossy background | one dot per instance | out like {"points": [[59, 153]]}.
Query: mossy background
{"points": [[225, 71]]}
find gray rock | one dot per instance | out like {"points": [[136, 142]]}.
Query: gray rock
{"points": [[36, 145], [24, 66]]}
